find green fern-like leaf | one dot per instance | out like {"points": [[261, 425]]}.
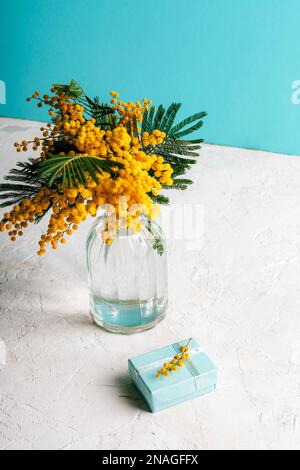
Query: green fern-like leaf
{"points": [[73, 89], [179, 165], [72, 170], [196, 118], [180, 183], [24, 183], [160, 199], [157, 240], [162, 119], [169, 117], [178, 147], [147, 123], [158, 246], [178, 153], [103, 114], [158, 118]]}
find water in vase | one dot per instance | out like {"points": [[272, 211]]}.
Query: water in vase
{"points": [[130, 313]]}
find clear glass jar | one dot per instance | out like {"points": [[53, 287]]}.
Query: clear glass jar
{"points": [[128, 279]]}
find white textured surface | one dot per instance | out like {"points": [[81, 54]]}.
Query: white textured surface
{"points": [[65, 382]]}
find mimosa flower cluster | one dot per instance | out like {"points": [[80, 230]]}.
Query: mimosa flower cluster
{"points": [[118, 156], [177, 361]]}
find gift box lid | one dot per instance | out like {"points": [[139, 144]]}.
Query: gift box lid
{"points": [[196, 377]]}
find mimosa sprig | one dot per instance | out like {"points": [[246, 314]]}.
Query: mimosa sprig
{"points": [[177, 361]]}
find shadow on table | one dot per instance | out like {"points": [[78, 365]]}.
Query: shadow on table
{"points": [[36, 294], [129, 393]]}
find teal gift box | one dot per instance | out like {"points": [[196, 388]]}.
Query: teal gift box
{"points": [[196, 377]]}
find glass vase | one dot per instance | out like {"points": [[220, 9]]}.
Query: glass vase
{"points": [[127, 279]]}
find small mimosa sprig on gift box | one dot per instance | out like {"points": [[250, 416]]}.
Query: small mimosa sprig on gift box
{"points": [[177, 361], [93, 155]]}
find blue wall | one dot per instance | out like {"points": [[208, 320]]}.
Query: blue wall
{"points": [[236, 59]]}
